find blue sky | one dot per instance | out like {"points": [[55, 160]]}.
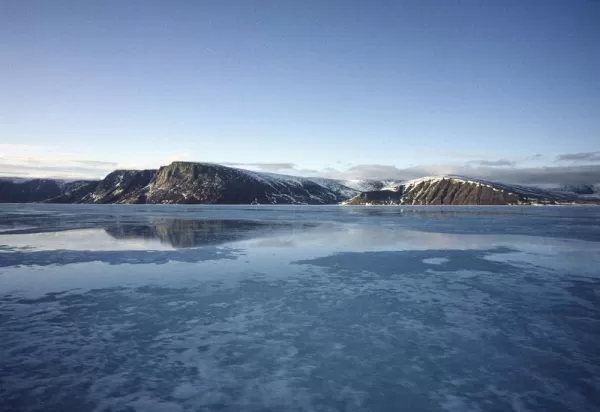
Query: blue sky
{"points": [[336, 88]]}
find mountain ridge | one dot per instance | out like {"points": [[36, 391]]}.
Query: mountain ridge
{"points": [[210, 183]]}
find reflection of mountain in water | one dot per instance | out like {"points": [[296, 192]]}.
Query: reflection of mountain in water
{"points": [[182, 233]]}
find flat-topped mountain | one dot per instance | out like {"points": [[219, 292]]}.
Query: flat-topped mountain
{"points": [[205, 183]]}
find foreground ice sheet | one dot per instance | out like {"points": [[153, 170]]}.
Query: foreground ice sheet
{"points": [[166, 308]]}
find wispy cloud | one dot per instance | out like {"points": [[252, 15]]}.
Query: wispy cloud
{"points": [[579, 157], [548, 175], [48, 160], [40, 161], [494, 163], [65, 171], [382, 172], [274, 167], [271, 167], [95, 163]]}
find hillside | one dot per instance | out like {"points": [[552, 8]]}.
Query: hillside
{"points": [[460, 190]]}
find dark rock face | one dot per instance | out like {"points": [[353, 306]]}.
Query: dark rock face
{"points": [[40, 190], [455, 191], [121, 186], [28, 191], [75, 192]]}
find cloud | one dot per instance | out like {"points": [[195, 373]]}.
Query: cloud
{"points": [[21, 160], [53, 166], [70, 171], [579, 157], [494, 163], [15, 162], [95, 163], [379, 172], [283, 167], [31, 161], [549, 175], [52, 160], [271, 167]]}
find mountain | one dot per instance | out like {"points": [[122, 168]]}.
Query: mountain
{"points": [[16, 190], [207, 183], [120, 186], [182, 182], [185, 182], [74, 192], [583, 191], [460, 190]]}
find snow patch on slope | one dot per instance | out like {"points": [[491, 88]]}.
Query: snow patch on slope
{"points": [[279, 182]]}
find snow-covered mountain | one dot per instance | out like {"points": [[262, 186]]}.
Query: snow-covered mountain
{"points": [[461, 190]]}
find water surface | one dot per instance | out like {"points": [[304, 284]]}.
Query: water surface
{"points": [[299, 308]]}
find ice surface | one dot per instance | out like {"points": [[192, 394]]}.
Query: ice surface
{"points": [[229, 308]]}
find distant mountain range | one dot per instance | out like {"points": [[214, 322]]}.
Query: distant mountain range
{"points": [[206, 183], [462, 190]]}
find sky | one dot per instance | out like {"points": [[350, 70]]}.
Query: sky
{"points": [[505, 90]]}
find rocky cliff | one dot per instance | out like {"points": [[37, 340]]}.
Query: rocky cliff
{"points": [[121, 186]]}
